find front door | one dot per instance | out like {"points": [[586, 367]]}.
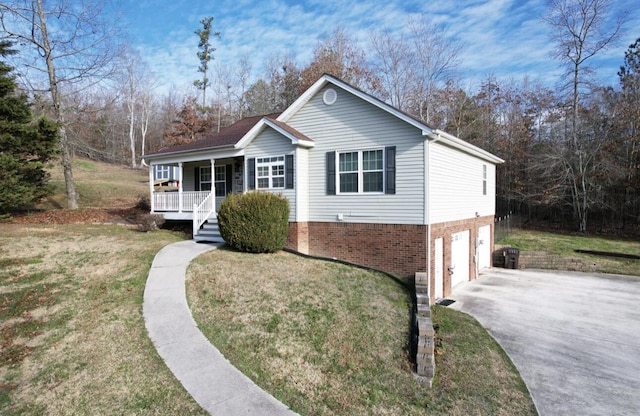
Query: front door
{"points": [[484, 247], [459, 267]]}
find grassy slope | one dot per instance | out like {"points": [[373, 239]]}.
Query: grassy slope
{"points": [[70, 328], [329, 339], [99, 185], [72, 335], [566, 244]]}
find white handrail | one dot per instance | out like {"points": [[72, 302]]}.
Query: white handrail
{"points": [[203, 211]]}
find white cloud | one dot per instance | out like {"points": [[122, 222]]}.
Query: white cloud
{"points": [[505, 38]]}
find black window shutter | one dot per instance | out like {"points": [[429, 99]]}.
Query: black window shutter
{"points": [[196, 175], [288, 171], [390, 170], [331, 173], [251, 174], [229, 178]]}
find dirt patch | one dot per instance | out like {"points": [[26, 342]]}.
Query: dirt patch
{"points": [[80, 216]]}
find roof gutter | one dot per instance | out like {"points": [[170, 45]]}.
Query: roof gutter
{"points": [[460, 144], [182, 152]]}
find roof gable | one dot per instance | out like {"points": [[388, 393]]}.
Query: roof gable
{"points": [[427, 131], [296, 137], [241, 133]]}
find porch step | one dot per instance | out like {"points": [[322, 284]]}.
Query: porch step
{"points": [[209, 232]]}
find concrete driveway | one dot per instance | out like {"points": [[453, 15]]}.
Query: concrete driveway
{"points": [[574, 337]]}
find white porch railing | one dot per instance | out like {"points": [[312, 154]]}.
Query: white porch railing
{"points": [[170, 201], [203, 211]]}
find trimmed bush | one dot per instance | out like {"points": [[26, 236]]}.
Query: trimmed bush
{"points": [[255, 222]]}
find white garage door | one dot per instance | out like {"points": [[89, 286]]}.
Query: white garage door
{"points": [[459, 257], [484, 247]]}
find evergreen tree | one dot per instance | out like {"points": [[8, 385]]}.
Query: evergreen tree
{"points": [[205, 55], [25, 145]]}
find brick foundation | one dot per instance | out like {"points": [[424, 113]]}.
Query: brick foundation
{"points": [[393, 248], [298, 237], [399, 249]]}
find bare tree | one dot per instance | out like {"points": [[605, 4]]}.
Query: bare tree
{"points": [[413, 65], [147, 109], [396, 64], [580, 30], [342, 58], [136, 84], [243, 74], [437, 56], [75, 51]]}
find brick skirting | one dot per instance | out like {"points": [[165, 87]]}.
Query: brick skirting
{"points": [[400, 249], [393, 248]]}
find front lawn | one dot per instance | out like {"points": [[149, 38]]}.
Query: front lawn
{"points": [[72, 335], [326, 338]]}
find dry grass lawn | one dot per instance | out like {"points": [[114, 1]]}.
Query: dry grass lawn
{"points": [[327, 338], [99, 185], [73, 339]]}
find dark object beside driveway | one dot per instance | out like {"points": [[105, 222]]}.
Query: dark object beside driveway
{"points": [[511, 257]]}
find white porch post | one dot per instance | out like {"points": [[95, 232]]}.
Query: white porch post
{"points": [[180, 176], [213, 184], [151, 175]]}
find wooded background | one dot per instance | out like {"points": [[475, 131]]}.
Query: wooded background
{"points": [[571, 150]]}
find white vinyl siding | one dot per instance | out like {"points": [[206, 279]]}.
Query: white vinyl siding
{"points": [[456, 185], [354, 124], [301, 172], [269, 144]]}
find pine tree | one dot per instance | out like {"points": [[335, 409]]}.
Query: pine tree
{"points": [[26, 145]]}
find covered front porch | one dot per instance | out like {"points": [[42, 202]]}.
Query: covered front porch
{"points": [[197, 187]]}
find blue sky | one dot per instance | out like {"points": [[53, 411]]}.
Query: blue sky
{"points": [[505, 38]]}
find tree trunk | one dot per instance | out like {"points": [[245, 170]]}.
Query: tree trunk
{"points": [[72, 196]]}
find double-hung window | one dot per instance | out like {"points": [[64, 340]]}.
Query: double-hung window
{"points": [[270, 172], [205, 178], [220, 180], [361, 171], [162, 172], [484, 179]]}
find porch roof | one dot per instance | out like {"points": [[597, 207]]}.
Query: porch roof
{"points": [[229, 136]]}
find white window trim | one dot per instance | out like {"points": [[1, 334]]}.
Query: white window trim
{"points": [[484, 179], [360, 151], [220, 185], [163, 172], [280, 161], [200, 172]]}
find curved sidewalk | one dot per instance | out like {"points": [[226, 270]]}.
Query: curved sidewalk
{"points": [[214, 383]]}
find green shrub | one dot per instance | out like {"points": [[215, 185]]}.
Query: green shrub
{"points": [[255, 222]]}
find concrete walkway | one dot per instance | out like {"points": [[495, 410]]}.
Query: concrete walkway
{"points": [[574, 337], [213, 382]]}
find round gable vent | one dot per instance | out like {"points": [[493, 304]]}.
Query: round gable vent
{"points": [[330, 96]]}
